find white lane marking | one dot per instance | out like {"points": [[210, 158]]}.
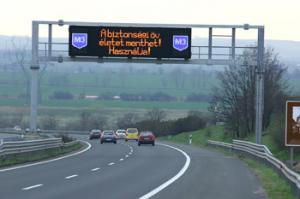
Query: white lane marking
{"points": [[126, 156], [130, 153], [174, 178], [47, 161], [72, 176], [32, 187], [121, 159], [95, 169], [112, 163]]}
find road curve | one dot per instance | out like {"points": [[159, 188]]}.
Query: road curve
{"points": [[126, 171]]}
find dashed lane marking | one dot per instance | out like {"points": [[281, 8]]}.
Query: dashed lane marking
{"points": [[72, 176], [32, 187], [95, 169]]}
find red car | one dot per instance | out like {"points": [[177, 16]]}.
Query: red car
{"points": [[146, 137], [95, 134]]}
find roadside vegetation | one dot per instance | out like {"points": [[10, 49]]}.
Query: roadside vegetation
{"points": [[233, 105]]}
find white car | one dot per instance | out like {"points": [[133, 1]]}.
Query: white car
{"points": [[121, 134]]}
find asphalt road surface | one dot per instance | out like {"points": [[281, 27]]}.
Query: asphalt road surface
{"points": [[125, 170]]}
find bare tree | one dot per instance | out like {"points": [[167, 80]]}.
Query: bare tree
{"points": [[106, 78], [234, 99], [127, 120], [123, 73], [19, 55], [156, 115], [49, 122], [178, 77]]}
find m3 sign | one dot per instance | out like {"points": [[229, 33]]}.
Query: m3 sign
{"points": [[292, 132], [130, 42]]}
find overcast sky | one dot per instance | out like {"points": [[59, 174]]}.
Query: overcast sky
{"points": [[281, 18]]}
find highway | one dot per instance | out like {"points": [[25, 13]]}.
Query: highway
{"points": [[125, 170]]}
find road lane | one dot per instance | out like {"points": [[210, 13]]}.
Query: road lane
{"points": [[211, 175]]}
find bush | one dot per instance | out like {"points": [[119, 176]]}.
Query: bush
{"points": [[277, 129], [189, 123], [158, 96], [65, 137], [61, 95], [86, 122], [129, 119], [106, 96], [49, 123], [173, 127]]}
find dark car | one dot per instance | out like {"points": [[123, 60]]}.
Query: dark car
{"points": [[146, 137], [95, 134], [108, 136]]}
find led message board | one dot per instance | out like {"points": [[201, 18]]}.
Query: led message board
{"points": [[149, 42]]}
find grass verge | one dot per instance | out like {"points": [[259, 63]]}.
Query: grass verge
{"points": [[14, 159], [273, 184]]}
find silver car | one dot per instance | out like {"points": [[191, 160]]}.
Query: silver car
{"points": [[121, 134]]}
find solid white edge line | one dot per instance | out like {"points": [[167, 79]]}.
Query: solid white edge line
{"points": [[72, 176], [32, 187], [47, 161], [174, 178]]}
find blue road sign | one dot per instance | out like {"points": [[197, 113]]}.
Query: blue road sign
{"points": [[180, 42], [79, 40]]}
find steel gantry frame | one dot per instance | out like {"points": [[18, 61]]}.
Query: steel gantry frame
{"points": [[209, 57]]}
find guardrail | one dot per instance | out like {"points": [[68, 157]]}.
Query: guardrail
{"points": [[18, 132], [262, 152], [7, 148]]}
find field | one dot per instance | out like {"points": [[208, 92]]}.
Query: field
{"points": [[83, 80], [95, 83], [102, 81]]}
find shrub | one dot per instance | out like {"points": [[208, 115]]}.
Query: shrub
{"points": [[61, 95], [65, 137]]}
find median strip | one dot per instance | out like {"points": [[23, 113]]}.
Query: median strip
{"points": [[32, 187]]}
